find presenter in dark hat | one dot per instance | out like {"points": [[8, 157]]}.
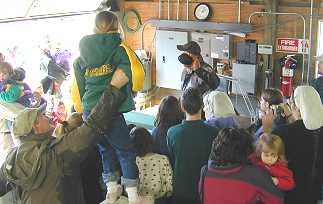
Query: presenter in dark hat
{"points": [[196, 72]]}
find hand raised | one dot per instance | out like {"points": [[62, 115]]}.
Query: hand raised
{"points": [[295, 111], [119, 79], [268, 120]]}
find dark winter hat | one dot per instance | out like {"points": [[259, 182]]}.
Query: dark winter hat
{"points": [[19, 74], [190, 47]]}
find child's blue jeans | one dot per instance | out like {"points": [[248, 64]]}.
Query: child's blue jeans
{"points": [[117, 151]]}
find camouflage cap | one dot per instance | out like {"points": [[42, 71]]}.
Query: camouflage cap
{"points": [[23, 123]]}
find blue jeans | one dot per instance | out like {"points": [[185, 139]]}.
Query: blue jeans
{"points": [[116, 150]]}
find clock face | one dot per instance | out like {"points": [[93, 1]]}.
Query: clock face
{"points": [[202, 11]]}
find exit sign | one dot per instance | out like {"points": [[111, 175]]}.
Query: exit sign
{"points": [[292, 45]]}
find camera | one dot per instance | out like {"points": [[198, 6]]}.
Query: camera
{"points": [[279, 113], [185, 59]]}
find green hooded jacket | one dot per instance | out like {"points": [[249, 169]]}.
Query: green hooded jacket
{"points": [[46, 170], [100, 56]]}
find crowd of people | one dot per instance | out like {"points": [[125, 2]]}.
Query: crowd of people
{"points": [[197, 153]]}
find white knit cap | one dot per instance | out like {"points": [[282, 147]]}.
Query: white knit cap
{"points": [[218, 104], [309, 103]]}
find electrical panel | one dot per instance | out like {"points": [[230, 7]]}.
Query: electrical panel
{"points": [[204, 40], [168, 68], [221, 47], [247, 52]]}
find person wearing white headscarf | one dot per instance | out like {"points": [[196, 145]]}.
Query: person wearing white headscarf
{"points": [[219, 110], [303, 141]]}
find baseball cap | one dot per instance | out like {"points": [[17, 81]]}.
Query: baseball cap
{"points": [[190, 47]]}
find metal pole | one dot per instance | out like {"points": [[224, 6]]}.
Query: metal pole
{"points": [[295, 14], [239, 11], [177, 10], [142, 34], [168, 10], [187, 11], [309, 61]]}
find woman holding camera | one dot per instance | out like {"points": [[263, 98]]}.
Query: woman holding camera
{"points": [[272, 100]]}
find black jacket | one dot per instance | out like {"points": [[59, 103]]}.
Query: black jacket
{"points": [[301, 146], [204, 78]]}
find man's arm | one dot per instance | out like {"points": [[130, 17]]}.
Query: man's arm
{"points": [[76, 144]]}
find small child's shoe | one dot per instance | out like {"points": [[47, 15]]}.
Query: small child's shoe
{"points": [[133, 197]]}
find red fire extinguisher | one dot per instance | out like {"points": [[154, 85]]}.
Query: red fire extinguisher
{"points": [[289, 65]]}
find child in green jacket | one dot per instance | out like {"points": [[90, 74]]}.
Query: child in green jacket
{"points": [[10, 91], [100, 55], [13, 88]]}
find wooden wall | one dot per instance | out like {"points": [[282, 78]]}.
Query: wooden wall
{"points": [[223, 11]]}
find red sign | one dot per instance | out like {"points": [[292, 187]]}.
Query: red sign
{"points": [[287, 45], [291, 45]]}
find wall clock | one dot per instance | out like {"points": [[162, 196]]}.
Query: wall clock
{"points": [[202, 11]]}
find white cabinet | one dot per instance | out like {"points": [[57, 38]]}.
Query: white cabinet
{"points": [[246, 77], [168, 68]]}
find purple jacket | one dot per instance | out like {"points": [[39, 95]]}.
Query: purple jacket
{"points": [[228, 122], [28, 99]]}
